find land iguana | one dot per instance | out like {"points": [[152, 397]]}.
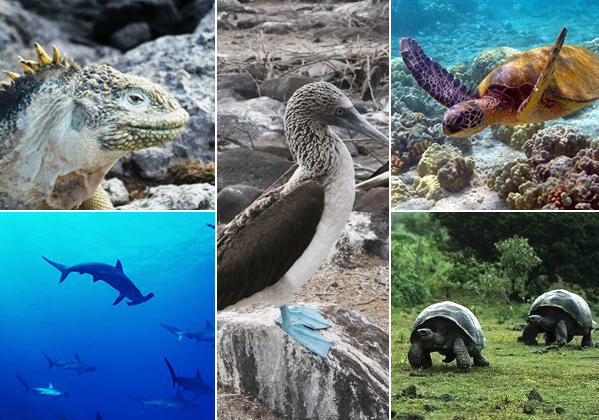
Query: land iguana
{"points": [[63, 126]]}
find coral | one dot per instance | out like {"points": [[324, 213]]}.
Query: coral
{"points": [[455, 174], [557, 140], [516, 135], [428, 187], [399, 190], [508, 178], [463, 72], [592, 45], [396, 165], [435, 157], [489, 60]]}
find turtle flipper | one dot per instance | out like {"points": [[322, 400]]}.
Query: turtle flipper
{"points": [[434, 79], [530, 104]]}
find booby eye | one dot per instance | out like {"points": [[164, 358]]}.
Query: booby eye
{"points": [[339, 111], [136, 98]]}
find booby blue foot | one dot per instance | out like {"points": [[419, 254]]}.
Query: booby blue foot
{"points": [[301, 323], [309, 317]]}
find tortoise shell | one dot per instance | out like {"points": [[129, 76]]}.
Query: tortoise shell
{"points": [[461, 316], [575, 80], [569, 302]]}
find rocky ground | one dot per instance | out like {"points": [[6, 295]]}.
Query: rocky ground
{"points": [[170, 42], [516, 26]]}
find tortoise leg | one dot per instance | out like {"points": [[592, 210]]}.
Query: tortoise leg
{"points": [[479, 359], [587, 340], [561, 333], [427, 362], [530, 105], [461, 354], [550, 338], [529, 335], [415, 356]]}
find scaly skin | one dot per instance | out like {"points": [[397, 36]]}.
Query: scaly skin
{"points": [[62, 127]]}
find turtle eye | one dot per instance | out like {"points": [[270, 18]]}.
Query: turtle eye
{"points": [[339, 111]]}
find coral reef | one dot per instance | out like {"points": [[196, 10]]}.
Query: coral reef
{"points": [[488, 60], [516, 135], [446, 163], [561, 173], [428, 187], [554, 141], [455, 174]]}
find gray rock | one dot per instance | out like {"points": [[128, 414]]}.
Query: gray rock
{"points": [[242, 83], [282, 88], [252, 168], [117, 192], [376, 199], [277, 28], [207, 23], [131, 36], [233, 199], [364, 234], [248, 24], [256, 123], [258, 359], [176, 197], [189, 76]]}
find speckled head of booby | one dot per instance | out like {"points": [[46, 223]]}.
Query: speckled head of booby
{"points": [[323, 103]]}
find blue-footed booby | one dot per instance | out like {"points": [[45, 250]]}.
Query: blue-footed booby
{"points": [[277, 243]]}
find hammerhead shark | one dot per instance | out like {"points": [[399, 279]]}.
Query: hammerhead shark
{"points": [[114, 276], [195, 385], [74, 364], [60, 417], [50, 391], [177, 402], [206, 334]]}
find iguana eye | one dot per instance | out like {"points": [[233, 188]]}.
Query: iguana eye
{"points": [[136, 98]]}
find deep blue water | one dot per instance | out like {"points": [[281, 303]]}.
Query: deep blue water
{"points": [[169, 254]]}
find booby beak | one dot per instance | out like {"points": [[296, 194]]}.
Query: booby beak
{"points": [[352, 120]]}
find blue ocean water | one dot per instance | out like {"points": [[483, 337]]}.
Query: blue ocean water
{"points": [[169, 254], [453, 31]]}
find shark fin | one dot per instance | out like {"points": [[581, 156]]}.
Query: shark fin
{"points": [[51, 363], [96, 278], [209, 326], [64, 270], [179, 394], [180, 335], [121, 297], [208, 224], [119, 266], [139, 400], [98, 416], [198, 376], [23, 382], [142, 300], [50, 386], [170, 369], [77, 357]]}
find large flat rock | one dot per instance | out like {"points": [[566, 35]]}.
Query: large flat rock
{"points": [[258, 359]]}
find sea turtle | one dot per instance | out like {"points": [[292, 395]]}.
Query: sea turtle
{"points": [[560, 315], [450, 329], [534, 86]]}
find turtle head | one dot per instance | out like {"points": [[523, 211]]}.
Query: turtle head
{"points": [[464, 119], [541, 322], [425, 335]]}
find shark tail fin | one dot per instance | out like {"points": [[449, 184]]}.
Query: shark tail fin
{"points": [[142, 300], [212, 226], [50, 362], [139, 400], [170, 368], [64, 270], [98, 416], [23, 382]]}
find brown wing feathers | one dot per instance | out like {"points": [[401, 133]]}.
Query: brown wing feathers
{"points": [[434, 79], [263, 248]]}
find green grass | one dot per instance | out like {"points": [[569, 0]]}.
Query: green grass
{"points": [[568, 377]]}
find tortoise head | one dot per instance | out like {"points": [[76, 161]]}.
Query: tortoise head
{"points": [[464, 119]]}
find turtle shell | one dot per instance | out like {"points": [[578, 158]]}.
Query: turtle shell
{"points": [[569, 302], [460, 315], [576, 77]]}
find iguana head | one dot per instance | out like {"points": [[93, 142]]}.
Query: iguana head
{"points": [[63, 126]]}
